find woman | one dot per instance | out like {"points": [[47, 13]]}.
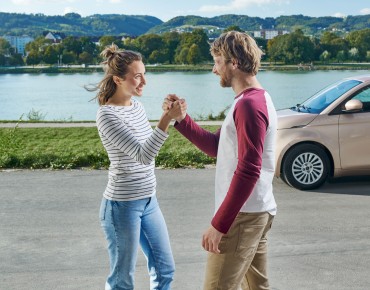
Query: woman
{"points": [[129, 212]]}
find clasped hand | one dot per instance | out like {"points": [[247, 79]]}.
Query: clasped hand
{"points": [[175, 107]]}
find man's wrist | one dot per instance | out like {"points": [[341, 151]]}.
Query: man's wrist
{"points": [[178, 120]]}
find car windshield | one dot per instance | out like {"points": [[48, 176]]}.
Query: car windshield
{"points": [[319, 101]]}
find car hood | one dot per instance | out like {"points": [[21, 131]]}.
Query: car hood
{"points": [[288, 118]]}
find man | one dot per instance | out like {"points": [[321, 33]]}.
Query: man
{"points": [[245, 151]]}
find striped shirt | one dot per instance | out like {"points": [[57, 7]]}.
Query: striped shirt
{"points": [[132, 145]]}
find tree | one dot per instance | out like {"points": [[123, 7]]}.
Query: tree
{"points": [[51, 55], [317, 50], [198, 37], [341, 56], [233, 28], [291, 48], [325, 56], [148, 43], [333, 43], [2, 59], [72, 44], [361, 40], [274, 49], [353, 54], [85, 57], [158, 56], [33, 58], [69, 57], [72, 15], [4, 46], [262, 43], [105, 41], [38, 45], [16, 59], [194, 55], [88, 45], [130, 44], [182, 55], [172, 41]]}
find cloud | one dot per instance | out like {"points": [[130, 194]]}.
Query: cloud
{"points": [[21, 2], [35, 2], [110, 1], [238, 4], [69, 10], [365, 11], [339, 14]]}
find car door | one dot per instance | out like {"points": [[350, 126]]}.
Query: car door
{"points": [[354, 135]]}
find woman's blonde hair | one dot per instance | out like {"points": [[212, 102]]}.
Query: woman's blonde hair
{"points": [[115, 63], [240, 47]]}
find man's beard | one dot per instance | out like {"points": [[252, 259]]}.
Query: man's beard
{"points": [[225, 81]]}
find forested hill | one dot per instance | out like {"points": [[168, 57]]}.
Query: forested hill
{"points": [[310, 25], [75, 25]]}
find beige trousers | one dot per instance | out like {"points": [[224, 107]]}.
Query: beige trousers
{"points": [[242, 263]]}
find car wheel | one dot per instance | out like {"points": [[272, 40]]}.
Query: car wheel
{"points": [[306, 167]]}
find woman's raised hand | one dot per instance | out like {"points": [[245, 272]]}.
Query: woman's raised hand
{"points": [[175, 107]]}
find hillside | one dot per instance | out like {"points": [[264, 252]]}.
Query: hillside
{"points": [[75, 25], [310, 25], [119, 24]]}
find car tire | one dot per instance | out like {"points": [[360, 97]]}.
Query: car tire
{"points": [[306, 167]]}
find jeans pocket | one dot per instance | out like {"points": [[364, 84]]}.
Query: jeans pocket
{"points": [[223, 245], [249, 237], [103, 209]]}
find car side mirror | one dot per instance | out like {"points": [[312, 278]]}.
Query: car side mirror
{"points": [[353, 106]]}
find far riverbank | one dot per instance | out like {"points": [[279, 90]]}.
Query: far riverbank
{"points": [[181, 68]]}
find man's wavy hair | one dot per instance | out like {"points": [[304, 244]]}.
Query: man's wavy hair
{"points": [[240, 47]]}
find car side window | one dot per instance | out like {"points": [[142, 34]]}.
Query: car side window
{"points": [[364, 97]]}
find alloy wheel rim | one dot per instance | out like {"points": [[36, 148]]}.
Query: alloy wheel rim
{"points": [[307, 168]]}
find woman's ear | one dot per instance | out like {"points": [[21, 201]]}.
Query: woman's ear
{"points": [[117, 80], [234, 63]]}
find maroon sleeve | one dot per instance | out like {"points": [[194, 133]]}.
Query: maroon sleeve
{"points": [[203, 139], [251, 122]]}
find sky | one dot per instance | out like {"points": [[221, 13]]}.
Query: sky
{"points": [[167, 9]]}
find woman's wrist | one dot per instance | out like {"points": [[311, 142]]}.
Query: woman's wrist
{"points": [[166, 117], [164, 122]]}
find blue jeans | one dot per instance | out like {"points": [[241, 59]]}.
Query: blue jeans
{"points": [[127, 224]]}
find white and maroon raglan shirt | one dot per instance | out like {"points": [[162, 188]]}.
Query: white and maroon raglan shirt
{"points": [[245, 151]]}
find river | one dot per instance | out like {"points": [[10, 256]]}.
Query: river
{"points": [[62, 97]]}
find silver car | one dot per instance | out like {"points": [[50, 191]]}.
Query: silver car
{"points": [[328, 135]]}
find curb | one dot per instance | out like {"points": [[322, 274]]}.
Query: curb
{"points": [[82, 124]]}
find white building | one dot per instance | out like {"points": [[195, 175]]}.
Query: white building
{"points": [[269, 33], [18, 42]]}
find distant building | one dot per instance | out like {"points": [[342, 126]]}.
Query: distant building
{"points": [[54, 37], [18, 42], [269, 33]]}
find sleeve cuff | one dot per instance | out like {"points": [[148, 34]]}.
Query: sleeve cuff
{"points": [[183, 121], [161, 133]]}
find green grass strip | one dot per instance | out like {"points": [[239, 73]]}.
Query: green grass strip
{"points": [[79, 147]]}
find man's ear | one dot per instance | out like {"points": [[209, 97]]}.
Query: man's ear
{"points": [[234, 63]]}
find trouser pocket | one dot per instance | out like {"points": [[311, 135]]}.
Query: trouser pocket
{"points": [[103, 209]]}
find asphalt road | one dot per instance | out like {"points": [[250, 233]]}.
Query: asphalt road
{"points": [[50, 237]]}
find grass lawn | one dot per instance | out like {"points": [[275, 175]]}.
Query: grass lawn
{"points": [[68, 148]]}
